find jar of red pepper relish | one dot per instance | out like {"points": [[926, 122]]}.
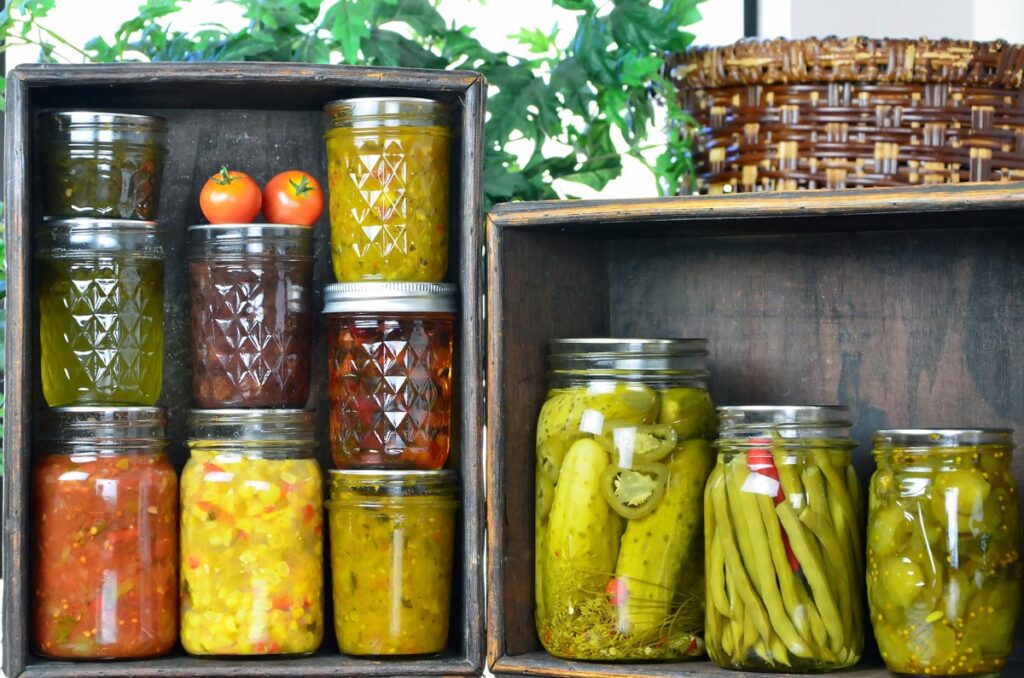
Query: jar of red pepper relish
{"points": [[389, 353], [106, 518]]}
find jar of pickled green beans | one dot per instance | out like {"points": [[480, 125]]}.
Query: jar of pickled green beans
{"points": [[943, 551], [622, 458], [784, 556]]}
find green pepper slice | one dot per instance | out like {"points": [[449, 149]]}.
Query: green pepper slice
{"points": [[636, 492], [651, 444]]}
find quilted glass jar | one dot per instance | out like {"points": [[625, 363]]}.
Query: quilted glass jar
{"points": [[387, 171], [250, 298], [389, 352], [101, 311]]}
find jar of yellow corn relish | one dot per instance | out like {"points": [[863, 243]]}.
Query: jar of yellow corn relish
{"points": [[251, 534], [392, 541], [387, 174]]}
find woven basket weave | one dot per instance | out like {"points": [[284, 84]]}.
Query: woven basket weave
{"points": [[847, 112]]}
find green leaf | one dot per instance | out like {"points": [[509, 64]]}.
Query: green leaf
{"points": [[535, 39], [349, 26], [585, 5], [636, 69]]}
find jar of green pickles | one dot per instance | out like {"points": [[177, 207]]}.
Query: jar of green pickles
{"points": [[783, 545], [392, 544], [943, 570], [387, 171], [622, 459], [101, 310]]}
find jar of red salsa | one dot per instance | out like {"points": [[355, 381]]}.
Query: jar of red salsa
{"points": [[106, 520], [389, 353]]}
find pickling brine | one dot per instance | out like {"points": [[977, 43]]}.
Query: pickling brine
{"points": [[251, 536], [622, 459], [943, 551]]}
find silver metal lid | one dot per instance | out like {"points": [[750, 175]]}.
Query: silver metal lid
{"points": [[387, 112], [619, 346], [943, 437], [629, 356], [389, 483], [68, 236], [296, 427], [103, 127], [250, 239], [103, 423], [390, 297], [755, 423]]}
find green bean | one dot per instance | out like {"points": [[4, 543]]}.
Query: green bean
{"points": [[787, 579], [837, 487], [841, 578], [818, 632], [715, 578], [814, 572]]}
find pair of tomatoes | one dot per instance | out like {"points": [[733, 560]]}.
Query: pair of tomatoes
{"points": [[233, 197]]}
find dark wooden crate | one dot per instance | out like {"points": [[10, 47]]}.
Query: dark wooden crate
{"points": [[907, 305], [262, 118]]}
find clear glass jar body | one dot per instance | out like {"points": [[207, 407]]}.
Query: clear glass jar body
{"points": [[251, 314], [784, 552], [387, 174], [101, 310], [943, 552], [622, 458], [392, 545], [390, 388], [105, 165], [251, 540], [106, 538]]}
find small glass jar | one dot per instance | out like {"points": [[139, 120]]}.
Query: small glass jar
{"points": [[389, 362], [622, 458], [387, 171], [251, 534], [101, 311], [105, 499], [784, 551], [105, 165], [943, 551], [392, 544], [251, 314]]}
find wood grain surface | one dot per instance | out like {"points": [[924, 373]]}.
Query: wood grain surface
{"points": [[905, 305], [263, 119]]}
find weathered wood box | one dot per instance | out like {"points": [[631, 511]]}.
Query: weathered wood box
{"points": [[907, 305], [263, 118]]}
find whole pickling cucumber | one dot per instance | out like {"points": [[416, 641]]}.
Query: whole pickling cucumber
{"points": [[583, 532], [655, 548]]}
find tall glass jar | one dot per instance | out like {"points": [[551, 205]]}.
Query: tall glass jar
{"points": [[782, 538], [392, 543], [101, 311], [389, 362], [105, 165], [251, 534], [387, 174], [251, 314], [944, 568], [622, 458], [105, 499]]}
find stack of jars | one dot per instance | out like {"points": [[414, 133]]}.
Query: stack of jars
{"points": [[390, 325], [104, 491]]}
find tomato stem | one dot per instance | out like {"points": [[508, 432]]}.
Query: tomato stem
{"points": [[224, 177], [301, 187]]}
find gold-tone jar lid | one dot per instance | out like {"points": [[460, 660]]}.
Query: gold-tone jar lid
{"points": [[387, 112]]}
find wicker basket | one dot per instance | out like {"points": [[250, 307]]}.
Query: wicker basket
{"points": [[847, 112]]}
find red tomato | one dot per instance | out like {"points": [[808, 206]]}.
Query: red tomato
{"points": [[293, 197], [230, 197]]}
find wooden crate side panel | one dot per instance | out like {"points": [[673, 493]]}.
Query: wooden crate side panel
{"points": [[559, 287]]}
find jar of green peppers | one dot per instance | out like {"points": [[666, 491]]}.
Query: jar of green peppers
{"points": [[622, 458], [783, 545], [943, 551]]}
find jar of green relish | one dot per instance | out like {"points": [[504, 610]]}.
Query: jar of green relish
{"points": [[101, 308]]}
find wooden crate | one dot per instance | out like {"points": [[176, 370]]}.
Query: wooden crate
{"points": [[907, 305], [263, 118]]}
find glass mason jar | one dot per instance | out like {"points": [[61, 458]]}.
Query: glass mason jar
{"points": [[389, 362], [622, 458], [101, 311], [392, 543], [943, 550], [105, 165], [251, 534], [782, 535], [387, 171], [251, 314], [105, 499]]}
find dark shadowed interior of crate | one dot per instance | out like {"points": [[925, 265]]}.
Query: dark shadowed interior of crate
{"points": [[908, 319], [261, 130]]}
